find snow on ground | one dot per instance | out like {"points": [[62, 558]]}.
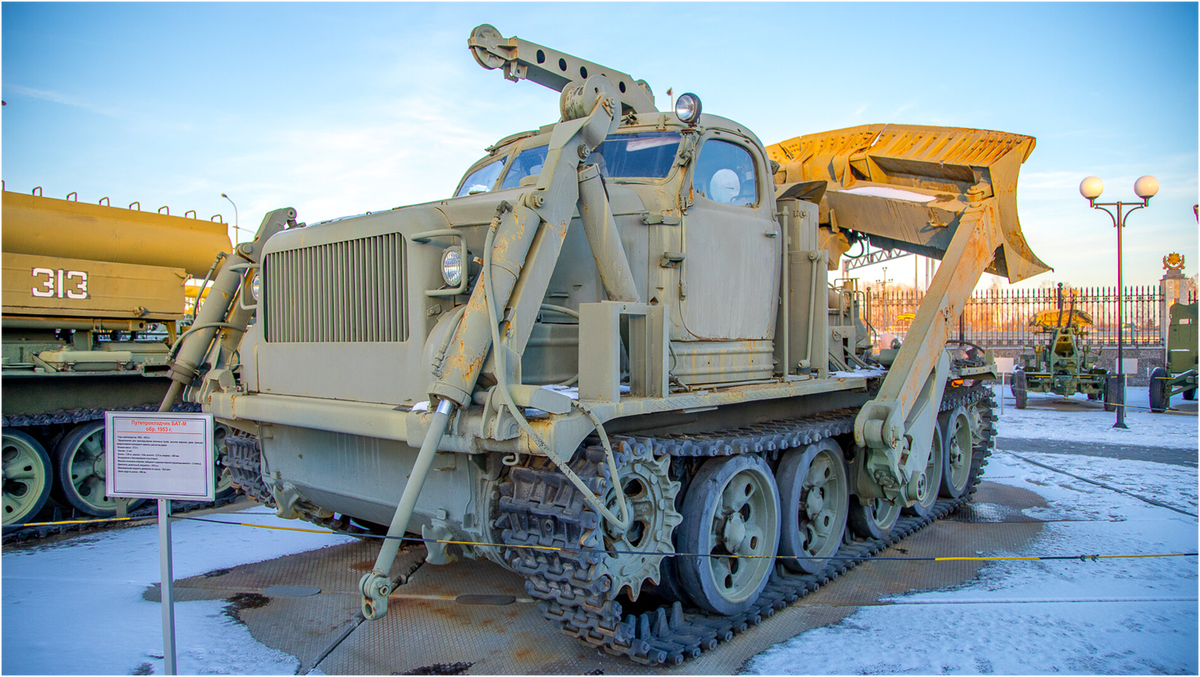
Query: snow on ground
{"points": [[1112, 616], [94, 584], [1077, 419]]}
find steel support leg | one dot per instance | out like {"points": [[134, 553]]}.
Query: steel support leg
{"points": [[376, 586]]}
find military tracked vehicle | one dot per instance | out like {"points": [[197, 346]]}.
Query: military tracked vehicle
{"points": [[1179, 374], [93, 296], [613, 361], [1063, 363]]}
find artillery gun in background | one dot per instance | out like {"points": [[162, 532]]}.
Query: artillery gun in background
{"points": [[617, 344], [93, 297], [1179, 375], [1063, 364]]}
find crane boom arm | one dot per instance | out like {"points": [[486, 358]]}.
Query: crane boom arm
{"points": [[551, 68]]}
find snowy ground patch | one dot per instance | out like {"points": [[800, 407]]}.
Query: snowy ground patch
{"points": [[1077, 419], [1111, 616], [94, 584]]}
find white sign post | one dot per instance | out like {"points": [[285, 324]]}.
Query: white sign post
{"points": [[163, 457]]}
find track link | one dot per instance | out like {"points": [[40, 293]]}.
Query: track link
{"points": [[541, 509], [82, 415]]}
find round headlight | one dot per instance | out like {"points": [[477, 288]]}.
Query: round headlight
{"points": [[452, 267], [256, 286], [687, 108]]}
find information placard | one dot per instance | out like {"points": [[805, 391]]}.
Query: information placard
{"points": [[162, 456]]}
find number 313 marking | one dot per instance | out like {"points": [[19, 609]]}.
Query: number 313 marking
{"points": [[56, 283]]}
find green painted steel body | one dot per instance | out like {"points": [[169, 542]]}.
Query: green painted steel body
{"points": [[93, 296], [1180, 374]]}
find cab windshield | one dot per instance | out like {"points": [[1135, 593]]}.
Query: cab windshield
{"points": [[639, 155], [647, 155], [481, 180]]}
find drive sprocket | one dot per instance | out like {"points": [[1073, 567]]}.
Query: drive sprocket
{"points": [[650, 495]]}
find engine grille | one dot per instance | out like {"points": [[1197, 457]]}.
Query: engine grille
{"points": [[342, 292]]}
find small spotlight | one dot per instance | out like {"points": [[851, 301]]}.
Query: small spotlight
{"points": [[687, 108]]}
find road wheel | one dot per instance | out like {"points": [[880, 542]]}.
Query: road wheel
{"points": [[224, 476], [931, 484], [814, 495], [1112, 393], [79, 463], [1020, 389], [1158, 390], [958, 439], [731, 519], [1189, 394], [872, 517], [27, 477]]}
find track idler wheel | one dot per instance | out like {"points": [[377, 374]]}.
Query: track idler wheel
{"points": [[27, 477], [731, 519], [814, 495]]}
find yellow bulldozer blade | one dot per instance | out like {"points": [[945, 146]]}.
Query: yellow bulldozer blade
{"points": [[907, 186]]}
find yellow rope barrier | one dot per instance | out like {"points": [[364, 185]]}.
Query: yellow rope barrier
{"points": [[685, 554], [94, 521], [325, 532]]}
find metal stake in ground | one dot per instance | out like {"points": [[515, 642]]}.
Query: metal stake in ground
{"points": [[167, 587], [1145, 188]]}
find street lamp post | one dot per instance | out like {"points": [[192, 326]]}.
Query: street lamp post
{"points": [[236, 230], [1145, 188]]}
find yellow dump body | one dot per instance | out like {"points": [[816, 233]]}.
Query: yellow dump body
{"points": [[908, 186], [76, 265], [43, 226], [53, 286]]}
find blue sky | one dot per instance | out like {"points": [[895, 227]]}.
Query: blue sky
{"points": [[342, 108]]}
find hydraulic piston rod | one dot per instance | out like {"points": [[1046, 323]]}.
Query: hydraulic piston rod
{"points": [[377, 585], [219, 303]]}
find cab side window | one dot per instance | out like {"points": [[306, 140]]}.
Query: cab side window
{"points": [[724, 173], [528, 163]]}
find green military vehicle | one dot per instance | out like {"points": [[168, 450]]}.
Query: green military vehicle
{"points": [[612, 362], [1063, 364], [93, 295], [1179, 376]]}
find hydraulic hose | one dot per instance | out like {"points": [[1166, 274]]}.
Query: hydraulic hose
{"points": [[626, 519]]}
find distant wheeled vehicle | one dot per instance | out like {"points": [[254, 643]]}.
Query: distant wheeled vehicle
{"points": [[1179, 376], [1064, 364]]}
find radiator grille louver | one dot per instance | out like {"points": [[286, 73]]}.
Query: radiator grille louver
{"points": [[342, 292]]}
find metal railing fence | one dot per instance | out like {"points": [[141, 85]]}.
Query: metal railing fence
{"points": [[997, 318]]}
